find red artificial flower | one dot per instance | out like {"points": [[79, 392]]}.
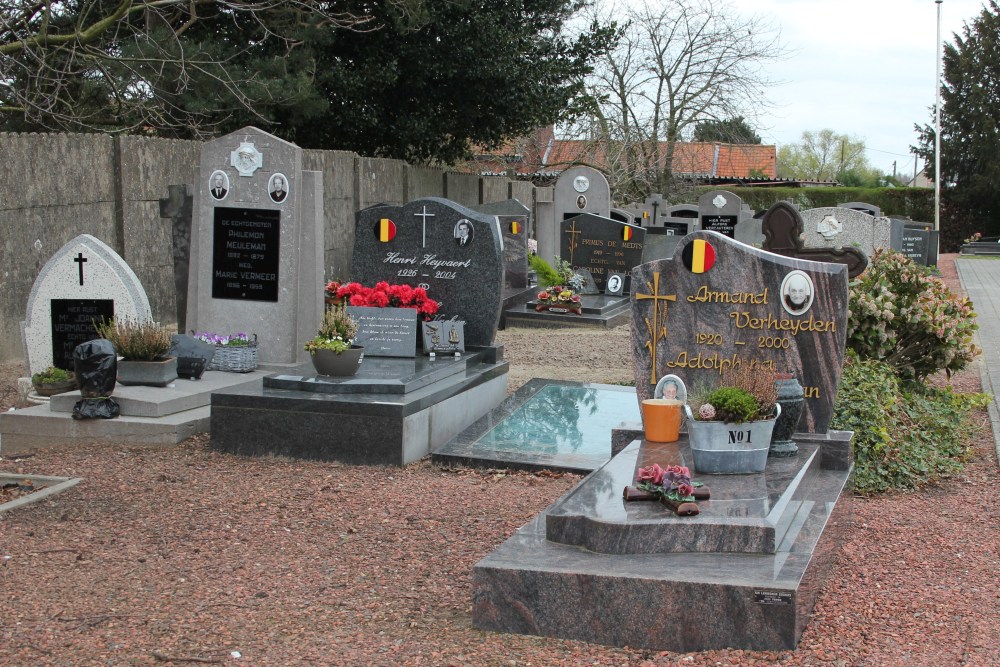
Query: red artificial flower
{"points": [[652, 474]]}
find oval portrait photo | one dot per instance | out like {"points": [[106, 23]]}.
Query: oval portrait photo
{"points": [[218, 184], [463, 232], [797, 292], [277, 188]]}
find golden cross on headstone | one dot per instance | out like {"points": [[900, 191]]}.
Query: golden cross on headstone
{"points": [[657, 328], [572, 231]]}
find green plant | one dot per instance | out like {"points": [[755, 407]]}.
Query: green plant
{"points": [[136, 340], [52, 375], [559, 274], [903, 316], [336, 331], [905, 436], [745, 394]]}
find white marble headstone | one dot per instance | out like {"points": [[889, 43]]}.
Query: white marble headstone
{"points": [[77, 282]]}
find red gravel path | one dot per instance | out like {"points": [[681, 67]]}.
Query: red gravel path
{"points": [[181, 556]]}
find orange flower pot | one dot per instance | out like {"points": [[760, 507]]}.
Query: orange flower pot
{"points": [[661, 419]]}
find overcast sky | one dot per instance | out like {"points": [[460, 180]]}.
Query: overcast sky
{"points": [[860, 67]]}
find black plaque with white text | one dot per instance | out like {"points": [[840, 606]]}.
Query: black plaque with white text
{"points": [[724, 224], [245, 254], [73, 323]]}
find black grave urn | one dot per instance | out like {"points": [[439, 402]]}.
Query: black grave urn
{"points": [[791, 398]]}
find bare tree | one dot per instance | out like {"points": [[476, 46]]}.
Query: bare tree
{"points": [[677, 63], [132, 65]]}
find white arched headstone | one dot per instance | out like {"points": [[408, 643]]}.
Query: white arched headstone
{"points": [[85, 280]]}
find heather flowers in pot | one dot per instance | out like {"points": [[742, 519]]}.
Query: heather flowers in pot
{"points": [[745, 395], [384, 295], [336, 332], [136, 340]]}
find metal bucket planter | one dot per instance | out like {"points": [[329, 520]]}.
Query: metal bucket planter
{"points": [[724, 448]]}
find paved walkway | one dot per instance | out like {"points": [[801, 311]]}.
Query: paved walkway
{"points": [[981, 280]]}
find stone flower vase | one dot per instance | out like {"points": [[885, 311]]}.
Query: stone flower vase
{"points": [[791, 398], [328, 362]]}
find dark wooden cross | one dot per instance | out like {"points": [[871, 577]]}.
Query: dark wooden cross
{"points": [[423, 218], [782, 227], [572, 232], [657, 328], [80, 259]]}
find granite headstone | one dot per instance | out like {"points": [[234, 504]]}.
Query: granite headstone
{"points": [[720, 211], [837, 227], [720, 304], [421, 244], [256, 259], [83, 281], [515, 219], [601, 245], [582, 190]]}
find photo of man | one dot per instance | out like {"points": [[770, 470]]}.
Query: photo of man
{"points": [[463, 232], [218, 185], [797, 292], [277, 187]]}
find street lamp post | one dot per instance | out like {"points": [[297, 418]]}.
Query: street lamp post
{"points": [[937, 125]]}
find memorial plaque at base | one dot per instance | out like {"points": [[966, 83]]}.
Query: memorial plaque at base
{"points": [[245, 254]]}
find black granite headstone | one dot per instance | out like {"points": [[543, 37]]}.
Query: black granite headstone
{"points": [[245, 254], [514, 219], [73, 323], [421, 244], [601, 245]]}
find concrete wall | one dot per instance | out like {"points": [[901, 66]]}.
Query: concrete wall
{"points": [[63, 185]]}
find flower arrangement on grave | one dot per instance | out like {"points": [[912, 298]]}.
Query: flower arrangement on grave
{"points": [[336, 332], [560, 285], [672, 486], [384, 295], [134, 339], [975, 237], [330, 289], [745, 395], [240, 339]]}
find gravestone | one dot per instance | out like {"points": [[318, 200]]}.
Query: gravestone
{"points": [[514, 218], [721, 304], [838, 227], [581, 190], [782, 226], [601, 245], [864, 207], [916, 240], [720, 211], [83, 281], [682, 219], [623, 215], [453, 252], [256, 261]]}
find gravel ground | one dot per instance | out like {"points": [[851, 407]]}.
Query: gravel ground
{"points": [[184, 556]]}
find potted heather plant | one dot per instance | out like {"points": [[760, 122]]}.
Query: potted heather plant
{"points": [[729, 426], [143, 345], [332, 350]]}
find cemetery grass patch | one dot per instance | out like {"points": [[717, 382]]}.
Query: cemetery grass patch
{"points": [[906, 436]]}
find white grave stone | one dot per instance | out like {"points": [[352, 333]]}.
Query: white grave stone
{"points": [[83, 281], [257, 245], [839, 227]]}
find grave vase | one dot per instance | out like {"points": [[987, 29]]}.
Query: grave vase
{"points": [[724, 448], [328, 362], [791, 398]]}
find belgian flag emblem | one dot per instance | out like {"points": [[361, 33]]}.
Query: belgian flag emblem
{"points": [[515, 227], [698, 256], [627, 232], [385, 230]]}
